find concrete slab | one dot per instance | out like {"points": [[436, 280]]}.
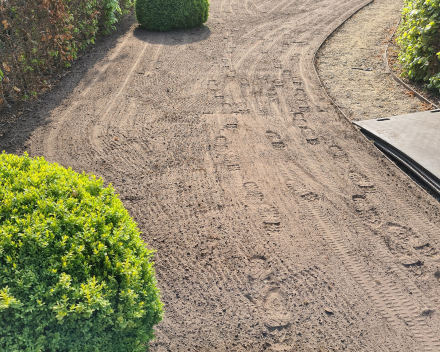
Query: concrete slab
{"points": [[413, 139]]}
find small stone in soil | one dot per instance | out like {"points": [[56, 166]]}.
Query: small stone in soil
{"points": [[329, 311], [427, 312]]}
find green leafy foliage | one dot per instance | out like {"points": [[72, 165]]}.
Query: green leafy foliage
{"points": [[418, 39], [74, 273], [40, 38], [166, 15]]}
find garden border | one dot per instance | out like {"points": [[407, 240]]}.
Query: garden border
{"points": [[395, 77]]}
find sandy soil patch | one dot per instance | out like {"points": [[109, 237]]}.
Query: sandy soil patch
{"points": [[352, 69]]}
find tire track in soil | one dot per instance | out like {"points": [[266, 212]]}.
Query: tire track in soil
{"points": [[412, 244], [110, 120], [426, 338], [49, 150], [410, 311], [102, 120], [393, 303], [258, 198]]}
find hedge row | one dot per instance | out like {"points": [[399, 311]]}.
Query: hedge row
{"points": [[37, 38], [419, 41]]}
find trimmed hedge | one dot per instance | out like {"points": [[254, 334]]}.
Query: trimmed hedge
{"points": [[74, 273], [40, 38], [419, 41], [167, 15]]}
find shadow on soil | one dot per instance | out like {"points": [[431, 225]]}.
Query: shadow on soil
{"points": [[15, 131], [173, 38]]}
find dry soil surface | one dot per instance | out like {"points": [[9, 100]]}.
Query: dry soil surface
{"points": [[351, 65], [278, 227]]}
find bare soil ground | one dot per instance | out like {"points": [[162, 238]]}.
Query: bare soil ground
{"points": [[351, 65], [278, 227]]}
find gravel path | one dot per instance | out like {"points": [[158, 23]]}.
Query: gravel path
{"points": [[278, 227], [351, 66]]}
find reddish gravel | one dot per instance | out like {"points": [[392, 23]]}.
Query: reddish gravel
{"points": [[278, 227]]}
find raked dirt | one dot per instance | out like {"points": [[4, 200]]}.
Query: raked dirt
{"points": [[277, 226]]}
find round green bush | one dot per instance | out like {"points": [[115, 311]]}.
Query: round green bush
{"points": [[74, 273], [166, 15]]}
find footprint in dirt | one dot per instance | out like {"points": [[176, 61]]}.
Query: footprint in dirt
{"points": [[275, 140], [278, 83], [253, 192], [232, 162], [303, 106], [299, 120], [227, 108], [271, 217], [287, 38], [244, 82], [287, 74], [277, 64], [231, 122], [258, 269], [259, 274], [275, 309], [300, 94], [220, 143], [396, 244], [361, 181], [241, 107], [310, 135], [338, 153], [272, 93], [231, 74], [212, 85], [296, 81], [419, 242], [366, 210], [410, 247], [310, 196], [219, 96], [271, 135], [278, 144]]}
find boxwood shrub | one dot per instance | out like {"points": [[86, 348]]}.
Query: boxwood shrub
{"points": [[419, 41], [166, 15], [74, 273]]}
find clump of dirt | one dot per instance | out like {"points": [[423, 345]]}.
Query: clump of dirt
{"points": [[352, 69]]}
